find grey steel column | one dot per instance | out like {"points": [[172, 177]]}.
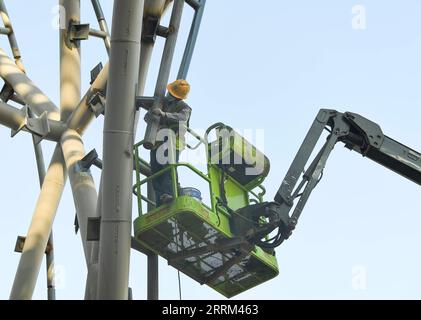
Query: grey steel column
{"points": [[164, 71], [91, 286], [79, 121], [49, 256], [69, 61], [40, 229], [153, 8], [115, 234]]}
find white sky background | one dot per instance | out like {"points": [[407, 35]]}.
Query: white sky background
{"points": [[272, 66]]}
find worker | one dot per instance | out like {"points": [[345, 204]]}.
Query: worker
{"points": [[174, 115]]}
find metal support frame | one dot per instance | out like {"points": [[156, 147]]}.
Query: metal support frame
{"points": [[115, 240], [164, 73], [49, 123]]}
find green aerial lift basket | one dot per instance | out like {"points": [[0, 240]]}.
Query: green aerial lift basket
{"points": [[174, 231], [197, 239]]}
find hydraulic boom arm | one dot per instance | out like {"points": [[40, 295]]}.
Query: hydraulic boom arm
{"points": [[358, 134]]}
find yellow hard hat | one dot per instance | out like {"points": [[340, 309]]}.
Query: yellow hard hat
{"points": [[179, 89]]}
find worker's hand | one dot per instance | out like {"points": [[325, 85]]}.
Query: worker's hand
{"points": [[157, 112]]}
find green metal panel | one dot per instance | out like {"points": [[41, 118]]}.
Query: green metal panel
{"points": [[236, 156], [236, 194], [187, 224]]}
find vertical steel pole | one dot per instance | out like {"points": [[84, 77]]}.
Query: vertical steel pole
{"points": [[92, 278], [153, 8], [51, 291], [102, 23], [191, 42], [115, 234], [153, 261], [169, 49], [164, 71], [69, 60]]}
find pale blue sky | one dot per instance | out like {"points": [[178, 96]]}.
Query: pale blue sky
{"points": [[263, 65]]}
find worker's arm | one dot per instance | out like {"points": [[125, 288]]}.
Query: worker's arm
{"points": [[176, 117]]}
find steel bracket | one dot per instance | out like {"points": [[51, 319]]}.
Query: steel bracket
{"points": [[95, 72], [6, 92], [90, 159], [78, 31], [94, 228], [97, 104], [39, 127], [144, 103], [150, 29], [20, 242]]}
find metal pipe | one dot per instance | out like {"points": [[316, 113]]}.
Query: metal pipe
{"points": [[4, 31], [82, 115], [26, 89], [153, 8], [49, 261], [194, 32], [39, 229], [70, 78], [98, 33], [79, 116], [153, 277], [49, 255], [153, 261], [102, 24], [169, 49], [115, 239], [16, 119], [164, 71], [11, 117], [82, 184], [195, 4], [11, 35], [91, 286]]}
